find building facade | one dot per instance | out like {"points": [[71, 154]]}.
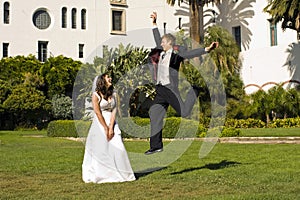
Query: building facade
{"points": [[77, 29], [80, 29]]}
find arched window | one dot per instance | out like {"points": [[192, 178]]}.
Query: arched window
{"points": [[74, 12], [64, 17], [83, 19], [6, 13]]}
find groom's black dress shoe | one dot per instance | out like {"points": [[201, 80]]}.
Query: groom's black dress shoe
{"points": [[152, 151]]}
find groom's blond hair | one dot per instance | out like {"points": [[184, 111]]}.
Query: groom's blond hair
{"points": [[169, 37]]}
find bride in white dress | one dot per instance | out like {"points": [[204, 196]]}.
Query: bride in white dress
{"points": [[105, 158]]}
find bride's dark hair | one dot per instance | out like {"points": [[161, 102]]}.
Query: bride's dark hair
{"points": [[101, 87]]}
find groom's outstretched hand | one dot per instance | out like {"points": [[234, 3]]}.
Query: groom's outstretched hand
{"points": [[154, 17], [212, 46]]}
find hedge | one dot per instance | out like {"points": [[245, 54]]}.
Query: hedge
{"points": [[174, 127], [256, 123], [67, 128]]}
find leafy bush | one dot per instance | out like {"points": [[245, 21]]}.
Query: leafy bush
{"points": [[62, 106], [220, 132], [285, 123], [59, 74], [202, 130], [245, 123], [230, 132], [257, 123], [27, 87]]}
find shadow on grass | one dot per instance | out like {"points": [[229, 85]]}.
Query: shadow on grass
{"points": [[211, 166], [147, 172]]}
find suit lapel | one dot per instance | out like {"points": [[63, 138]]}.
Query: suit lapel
{"points": [[174, 61]]}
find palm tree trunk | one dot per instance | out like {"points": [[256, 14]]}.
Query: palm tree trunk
{"points": [[194, 22], [297, 26], [201, 24], [267, 118]]}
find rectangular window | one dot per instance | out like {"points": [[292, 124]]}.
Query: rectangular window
{"points": [[118, 21], [5, 49], [273, 33], [42, 51], [81, 46], [236, 32]]}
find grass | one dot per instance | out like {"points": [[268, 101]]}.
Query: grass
{"points": [[50, 168]]}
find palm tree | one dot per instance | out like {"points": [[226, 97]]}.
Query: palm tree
{"points": [[227, 13], [291, 99], [261, 105], [196, 17], [288, 11], [226, 56]]}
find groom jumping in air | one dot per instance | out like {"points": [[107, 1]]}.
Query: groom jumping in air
{"points": [[166, 77]]}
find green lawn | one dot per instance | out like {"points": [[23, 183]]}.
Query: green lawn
{"points": [[50, 168]]}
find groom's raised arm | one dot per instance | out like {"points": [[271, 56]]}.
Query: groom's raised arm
{"points": [[157, 36], [182, 51], [156, 33], [199, 51]]}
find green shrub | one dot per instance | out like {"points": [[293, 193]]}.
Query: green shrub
{"points": [[219, 132], [285, 123], [62, 106], [245, 123], [230, 132], [202, 130], [67, 128]]}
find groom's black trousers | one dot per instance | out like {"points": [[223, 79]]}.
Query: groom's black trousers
{"points": [[165, 96]]}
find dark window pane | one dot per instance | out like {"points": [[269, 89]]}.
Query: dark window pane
{"points": [[5, 49], [117, 20], [42, 51], [64, 17], [6, 13]]}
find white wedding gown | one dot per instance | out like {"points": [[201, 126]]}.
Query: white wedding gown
{"points": [[105, 161]]}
